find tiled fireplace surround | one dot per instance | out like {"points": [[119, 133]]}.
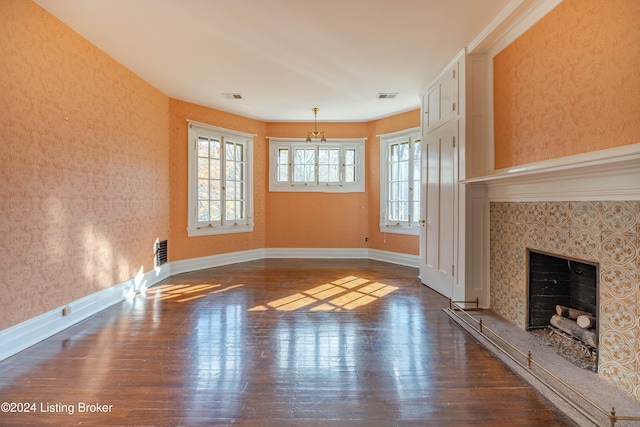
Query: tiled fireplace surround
{"points": [[606, 232]]}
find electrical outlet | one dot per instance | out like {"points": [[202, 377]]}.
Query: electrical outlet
{"points": [[66, 310], [366, 239]]}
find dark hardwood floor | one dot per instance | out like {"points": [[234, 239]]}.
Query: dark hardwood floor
{"points": [[272, 343]]}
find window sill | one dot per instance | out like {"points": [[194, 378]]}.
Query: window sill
{"points": [[400, 229], [213, 231]]}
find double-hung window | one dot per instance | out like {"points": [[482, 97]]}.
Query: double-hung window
{"points": [[220, 180], [400, 182], [333, 166]]}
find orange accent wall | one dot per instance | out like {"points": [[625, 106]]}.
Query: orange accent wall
{"points": [[317, 220], [570, 84], [84, 157], [182, 246], [377, 240]]}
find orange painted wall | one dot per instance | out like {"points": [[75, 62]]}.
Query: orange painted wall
{"points": [[84, 154], [570, 84], [377, 240], [317, 220], [182, 246]]}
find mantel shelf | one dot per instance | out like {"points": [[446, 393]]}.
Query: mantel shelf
{"points": [[611, 174]]}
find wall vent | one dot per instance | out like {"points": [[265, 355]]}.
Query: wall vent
{"points": [[161, 252], [387, 95]]}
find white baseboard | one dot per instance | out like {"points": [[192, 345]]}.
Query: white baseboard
{"points": [[326, 253], [194, 264], [23, 335], [395, 258]]}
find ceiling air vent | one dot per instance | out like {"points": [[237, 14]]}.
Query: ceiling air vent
{"points": [[387, 95], [231, 96]]}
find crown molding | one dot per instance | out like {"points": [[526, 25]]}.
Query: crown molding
{"points": [[516, 18]]}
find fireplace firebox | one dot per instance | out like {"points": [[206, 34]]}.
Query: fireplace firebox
{"points": [[561, 290]]}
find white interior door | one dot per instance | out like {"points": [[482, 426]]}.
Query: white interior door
{"points": [[437, 239]]}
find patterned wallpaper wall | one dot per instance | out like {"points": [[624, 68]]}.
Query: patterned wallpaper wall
{"points": [[569, 84], [604, 232], [83, 166]]}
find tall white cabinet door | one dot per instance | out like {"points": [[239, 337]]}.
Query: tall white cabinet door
{"points": [[437, 240]]}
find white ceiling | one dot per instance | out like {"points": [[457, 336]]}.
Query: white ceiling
{"points": [[284, 56]]}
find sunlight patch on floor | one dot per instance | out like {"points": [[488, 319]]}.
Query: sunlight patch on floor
{"points": [[346, 293], [184, 292]]}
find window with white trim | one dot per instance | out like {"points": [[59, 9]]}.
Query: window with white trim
{"points": [[333, 166], [220, 180], [400, 182]]}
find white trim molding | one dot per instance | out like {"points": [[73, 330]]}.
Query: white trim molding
{"points": [[610, 174]]}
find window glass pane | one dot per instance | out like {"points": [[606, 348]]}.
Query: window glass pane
{"points": [[203, 189], [404, 191], [230, 210], [403, 173], [393, 211], [283, 156], [404, 211], [230, 192], [230, 171], [215, 211], [215, 148], [334, 173], [230, 152], [214, 169], [304, 161], [395, 191], [309, 174], [323, 156], [350, 174], [394, 172], [203, 147], [329, 165], [283, 172], [334, 156], [203, 167], [350, 156], [394, 153], [310, 157], [203, 211], [404, 151], [323, 173], [214, 190]]}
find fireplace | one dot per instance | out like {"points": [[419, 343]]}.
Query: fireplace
{"points": [[561, 291]]}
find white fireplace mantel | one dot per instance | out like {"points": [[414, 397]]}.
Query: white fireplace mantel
{"points": [[610, 174]]}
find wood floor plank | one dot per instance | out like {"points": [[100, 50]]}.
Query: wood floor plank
{"points": [[273, 342]]}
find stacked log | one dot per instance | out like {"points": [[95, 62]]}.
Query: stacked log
{"points": [[588, 336], [586, 321], [571, 313]]}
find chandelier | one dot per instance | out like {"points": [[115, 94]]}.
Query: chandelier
{"points": [[315, 134]]}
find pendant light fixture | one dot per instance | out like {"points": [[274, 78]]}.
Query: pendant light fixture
{"points": [[315, 134]]}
